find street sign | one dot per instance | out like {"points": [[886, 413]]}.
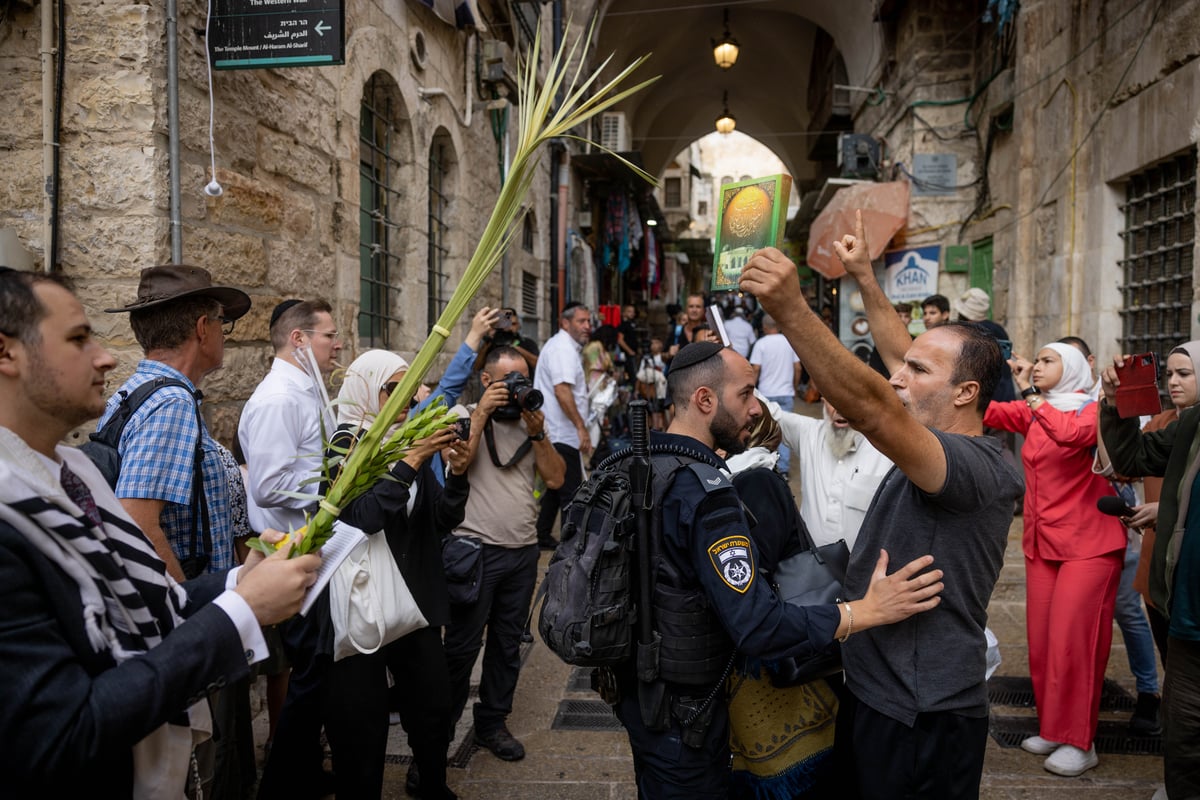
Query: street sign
{"points": [[250, 34]]}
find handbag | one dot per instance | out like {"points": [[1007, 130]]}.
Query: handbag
{"points": [[369, 602], [462, 560], [814, 576]]}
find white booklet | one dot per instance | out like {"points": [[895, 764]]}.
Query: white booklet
{"points": [[345, 538]]}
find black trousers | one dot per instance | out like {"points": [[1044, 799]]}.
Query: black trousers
{"points": [[1181, 721], [554, 499], [356, 713], [668, 769], [939, 758], [504, 592]]}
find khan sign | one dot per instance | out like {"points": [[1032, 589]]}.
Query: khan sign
{"points": [[912, 275]]}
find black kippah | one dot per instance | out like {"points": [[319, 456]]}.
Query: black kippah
{"points": [[279, 309], [692, 354]]}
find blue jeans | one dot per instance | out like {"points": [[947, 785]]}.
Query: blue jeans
{"points": [[1135, 628], [787, 403]]}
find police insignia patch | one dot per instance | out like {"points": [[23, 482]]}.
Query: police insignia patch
{"points": [[732, 560]]}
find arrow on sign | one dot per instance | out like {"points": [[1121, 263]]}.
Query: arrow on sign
{"points": [[321, 27]]}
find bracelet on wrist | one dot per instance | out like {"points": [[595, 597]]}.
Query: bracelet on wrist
{"points": [[849, 623], [1032, 390], [539, 437]]}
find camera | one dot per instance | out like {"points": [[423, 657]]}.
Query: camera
{"points": [[462, 428], [521, 396]]}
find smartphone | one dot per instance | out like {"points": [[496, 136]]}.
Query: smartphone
{"points": [[504, 323], [462, 428], [1137, 394], [716, 323], [1005, 348]]}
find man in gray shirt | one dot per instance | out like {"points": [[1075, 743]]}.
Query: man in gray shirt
{"points": [[914, 721]]}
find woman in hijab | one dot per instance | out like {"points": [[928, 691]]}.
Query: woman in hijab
{"points": [[780, 737], [414, 512], [1174, 568], [1073, 553]]}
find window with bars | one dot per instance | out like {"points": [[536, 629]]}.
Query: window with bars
{"points": [[378, 230], [528, 233], [1159, 235], [439, 229]]}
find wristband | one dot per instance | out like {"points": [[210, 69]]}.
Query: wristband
{"points": [[538, 438], [1032, 390]]}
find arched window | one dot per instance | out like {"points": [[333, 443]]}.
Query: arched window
{"points": [[441, 165], [379, 244]]}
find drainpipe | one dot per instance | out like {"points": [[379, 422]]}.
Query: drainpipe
{"points": [[50, 187], [173, 131], [468, 87]]}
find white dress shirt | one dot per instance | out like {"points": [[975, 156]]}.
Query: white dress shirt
{"points": [[280, 433], [561, 362], [834, 493]]}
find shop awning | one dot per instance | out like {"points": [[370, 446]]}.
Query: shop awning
{"points": [[885, 212]]}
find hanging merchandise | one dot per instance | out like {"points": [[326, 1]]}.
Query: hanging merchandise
{"points": [[651, 261], [583, 271]]}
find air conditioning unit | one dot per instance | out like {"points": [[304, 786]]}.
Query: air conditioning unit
{"points": [[498, 66], [858, 155], [614, 132]]}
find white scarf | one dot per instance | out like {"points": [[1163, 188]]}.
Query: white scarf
{"points": [[1072, 391], [129, 602]]}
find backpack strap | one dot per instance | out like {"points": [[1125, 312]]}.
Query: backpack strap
{"points": [[111, 434]]}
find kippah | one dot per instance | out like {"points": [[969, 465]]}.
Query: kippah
{"points": [[279, 309], [692, 354]]}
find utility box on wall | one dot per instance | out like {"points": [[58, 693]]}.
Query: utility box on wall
{"points": [[858, 156]]}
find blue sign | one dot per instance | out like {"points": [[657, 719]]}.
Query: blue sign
{"points": [[912, 275]]}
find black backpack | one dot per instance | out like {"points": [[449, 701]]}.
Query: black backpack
{"points": [[589, 617], [102, 447]]}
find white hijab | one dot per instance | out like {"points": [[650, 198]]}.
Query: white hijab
{"points": [[1072, 390], [358, 400]]}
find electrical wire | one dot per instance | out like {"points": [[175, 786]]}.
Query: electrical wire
{"points": [[213, 189]]}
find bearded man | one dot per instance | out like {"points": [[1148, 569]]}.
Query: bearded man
{"points": [[839, 472]]}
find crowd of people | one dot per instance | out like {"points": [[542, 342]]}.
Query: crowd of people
{"points": [[139, 617]]}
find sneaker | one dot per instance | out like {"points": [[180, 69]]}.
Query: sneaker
{"points": [[1039, 746], [502, 744], [1145, 721], [1070, 761]]}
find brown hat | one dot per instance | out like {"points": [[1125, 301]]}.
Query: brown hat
{"points": [[159, 285]]}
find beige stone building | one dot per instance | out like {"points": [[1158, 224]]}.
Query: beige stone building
{"points": [[1050, 147]]}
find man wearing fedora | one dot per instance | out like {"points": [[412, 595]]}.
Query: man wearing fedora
{"points": [[180, 319]]}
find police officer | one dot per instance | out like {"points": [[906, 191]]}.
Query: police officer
{"points": [[709, 600]]}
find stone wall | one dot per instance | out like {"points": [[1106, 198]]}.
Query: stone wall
{"points": [[287, 154]]}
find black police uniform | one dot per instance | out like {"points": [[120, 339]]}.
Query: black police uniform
{"points": [[708, 559]]}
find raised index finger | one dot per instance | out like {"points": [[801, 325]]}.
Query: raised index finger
{"points": [[859, 231]]}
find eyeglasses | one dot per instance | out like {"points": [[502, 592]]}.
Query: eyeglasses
{"points": [[390, 387], [226, 324], [333, 335]]}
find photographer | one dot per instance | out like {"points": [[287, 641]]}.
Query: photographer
{"points": [[506, 332], [508, 448]]}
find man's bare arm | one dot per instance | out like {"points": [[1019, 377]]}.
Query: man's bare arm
{"points": [[890, 334], [147, 514], [566, 401], [863, 397]]}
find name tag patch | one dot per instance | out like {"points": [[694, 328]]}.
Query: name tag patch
{"points": [[732, 560]]}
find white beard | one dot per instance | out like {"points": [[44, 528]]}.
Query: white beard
{"points": [[842, 441]]}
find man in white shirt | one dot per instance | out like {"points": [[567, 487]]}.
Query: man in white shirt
{"points": [[106, 660], [839, 472], [561, 381], [777, 370], [280, 428], [281, 436], [741, 333]]}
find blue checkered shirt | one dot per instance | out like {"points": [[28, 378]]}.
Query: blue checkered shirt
{"points": [[157, 450]]}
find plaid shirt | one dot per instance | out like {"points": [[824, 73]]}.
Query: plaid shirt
{"points": [[157, 450]]}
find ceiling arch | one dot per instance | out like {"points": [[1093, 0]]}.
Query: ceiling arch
{"points": [[767, 87]]}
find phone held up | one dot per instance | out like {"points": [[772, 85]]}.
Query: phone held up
{"points": [[1137, 394]]}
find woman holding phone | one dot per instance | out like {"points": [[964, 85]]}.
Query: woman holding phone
{"points": [[1073, 553]]}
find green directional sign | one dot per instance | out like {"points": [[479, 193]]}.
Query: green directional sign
{"points": [[250, 34]]}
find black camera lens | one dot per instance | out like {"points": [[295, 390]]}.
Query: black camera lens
{"points": [[521, 396]]}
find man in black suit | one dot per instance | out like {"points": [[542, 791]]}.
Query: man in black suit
{"points": [[105, 659]]}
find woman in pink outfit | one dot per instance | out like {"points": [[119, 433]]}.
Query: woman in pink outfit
{"points": [[1073, 553]]}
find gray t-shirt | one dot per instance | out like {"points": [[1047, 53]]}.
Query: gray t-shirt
{"points": [[934, 661]]}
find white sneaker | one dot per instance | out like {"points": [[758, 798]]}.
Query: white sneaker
{"points": [[1039, 746], [1070, 761]]}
